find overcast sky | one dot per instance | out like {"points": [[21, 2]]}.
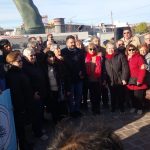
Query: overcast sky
{"points": [[80, 11]]}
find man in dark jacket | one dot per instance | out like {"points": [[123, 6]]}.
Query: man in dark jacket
{"points": [[74, 60]]}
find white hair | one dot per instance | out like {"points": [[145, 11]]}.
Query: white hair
{"points": [[32, 44], [27, 51]]}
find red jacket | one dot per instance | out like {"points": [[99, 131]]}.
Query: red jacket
{"points": [[135, 63]]}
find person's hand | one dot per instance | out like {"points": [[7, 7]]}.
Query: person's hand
{"points": [[147, 94], [36, 95], [138, 83], [143, 66], [124, 82]]}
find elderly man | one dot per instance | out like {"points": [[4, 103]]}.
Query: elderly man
{"points": [[128, 38], [147, 40]]}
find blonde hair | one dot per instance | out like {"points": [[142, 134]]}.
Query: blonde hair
{"points": [[110, 43], [144, 46], [12, 56]]}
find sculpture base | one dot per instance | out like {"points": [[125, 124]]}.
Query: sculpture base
{"points": [[36, 30]]}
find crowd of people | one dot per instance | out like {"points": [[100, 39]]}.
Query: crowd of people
{"points": [[44, 78]]}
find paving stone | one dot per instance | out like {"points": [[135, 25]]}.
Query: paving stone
{"points": [[147, 121], [122, 136], [130, 132], [139, 124], [129, 126]]}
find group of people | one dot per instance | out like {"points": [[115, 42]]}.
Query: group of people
{"points": [[44, 78]]}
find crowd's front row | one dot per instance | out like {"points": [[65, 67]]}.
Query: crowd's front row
{"points": [[56, 80]]}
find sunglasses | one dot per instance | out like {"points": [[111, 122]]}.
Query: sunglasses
{"points": [[126, 32], [92, 49], [131, 50]]}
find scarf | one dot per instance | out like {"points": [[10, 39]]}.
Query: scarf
{"points": [[109, 56], [88, 60]]}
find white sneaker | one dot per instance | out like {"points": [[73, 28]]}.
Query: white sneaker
{"points": [[139, 112], [132, 110], [44, 137]]}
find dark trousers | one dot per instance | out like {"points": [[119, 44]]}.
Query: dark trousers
{"points": [[117, 97], [74, 99], [95, 96], [104, 97], [37, 117], [85, 92], [58, 109], [137, 98], [20, 129]]}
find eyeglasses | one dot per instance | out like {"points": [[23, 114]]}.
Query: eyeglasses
{"points": [[92, 49], [126, 32], [131, 49]]}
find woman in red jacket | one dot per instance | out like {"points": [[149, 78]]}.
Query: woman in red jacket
{"points": [[93, 70], [136, 85]]}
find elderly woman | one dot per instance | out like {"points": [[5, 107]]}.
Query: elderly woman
{"points": [[37, 79], [93, 70], [144, 51], [136, 84], [117, 71], [101, 50], [21, 94]]}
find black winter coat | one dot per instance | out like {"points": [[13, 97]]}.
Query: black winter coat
{"points": [[20, 88], [74, 61], [36, 77], [117, 69], [61, 74]]}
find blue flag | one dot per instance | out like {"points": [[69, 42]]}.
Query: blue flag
{"points": [[7, 127]]}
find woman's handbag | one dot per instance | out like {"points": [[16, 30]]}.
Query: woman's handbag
{"points": [[132, 81]]}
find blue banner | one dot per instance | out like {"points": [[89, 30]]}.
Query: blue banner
{"points": [[7, 127]]}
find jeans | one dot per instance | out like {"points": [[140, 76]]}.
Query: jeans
{"points": [[75, 97]]}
